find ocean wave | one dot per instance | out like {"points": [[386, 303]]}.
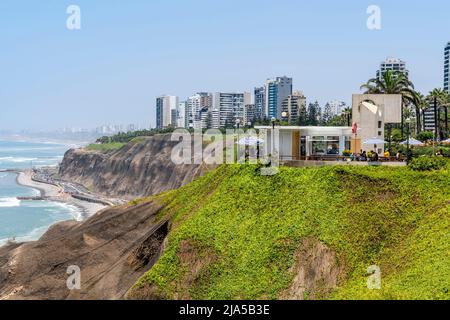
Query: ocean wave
{"points": [[9, 202], [17, 159], [33, 235]]}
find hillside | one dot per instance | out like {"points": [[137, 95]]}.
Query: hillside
{"points": [[234, 234], [139, 168], [304, 234]]}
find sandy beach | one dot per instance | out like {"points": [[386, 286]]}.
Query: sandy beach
{"points": [[54, 193]]}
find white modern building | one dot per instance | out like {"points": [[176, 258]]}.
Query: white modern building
{"points": [[392, 64], [166, 110], [370, 114], [196, 105], [231, 107]]}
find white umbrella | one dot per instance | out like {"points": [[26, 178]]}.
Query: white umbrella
{"points": [[374, 141], [412, 142], [250, 141], [446, 141]]}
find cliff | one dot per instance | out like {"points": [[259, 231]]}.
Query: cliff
{"points": [[235, 234], [138, 169]]}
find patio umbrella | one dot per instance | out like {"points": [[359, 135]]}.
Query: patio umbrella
{"points": [[250, 141], [412, 142], [446, 141], [374, 141]]}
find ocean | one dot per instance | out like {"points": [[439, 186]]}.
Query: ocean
{"points": [[28, 220]]}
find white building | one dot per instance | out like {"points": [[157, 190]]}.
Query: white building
{"points": [[392, 64], [166, 107], [195, 106], [231, 107]]}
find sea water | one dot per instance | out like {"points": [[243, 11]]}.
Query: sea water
{"points": [[28, 220]]}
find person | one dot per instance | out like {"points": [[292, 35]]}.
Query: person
{"points": [[375, 157], [352, 157], [397, 156], [387, 154], [363, 156]]}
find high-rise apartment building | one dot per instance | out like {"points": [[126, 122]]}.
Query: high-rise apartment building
{"points": [[196, 105], [276, 90], [292, 106], [446, 66], [231, 107], [250, 114], [392, 64], [166, 107], [260, 102]]}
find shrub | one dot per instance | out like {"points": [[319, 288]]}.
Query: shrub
{"points": [[429, 163]]}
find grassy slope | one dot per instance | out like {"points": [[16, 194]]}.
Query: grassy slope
{"points": [[251, 225]]}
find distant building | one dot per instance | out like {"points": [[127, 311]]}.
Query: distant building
{"points": [[336, 107], [291, 107], [429, 118], [182, 119], [392, 64], [165, 107], [260, 102], [276, 90], [250, 114], [231, 107], [446, 67], [196, 106]]}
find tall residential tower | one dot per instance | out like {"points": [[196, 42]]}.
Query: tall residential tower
{"points": [[276, 90], [392, 64]]}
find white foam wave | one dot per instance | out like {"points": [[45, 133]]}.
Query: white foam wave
{"points": [[33, 235], [9, 202], [17, 159]]}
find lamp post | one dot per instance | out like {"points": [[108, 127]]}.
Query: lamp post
{"points": [[274, 121], [408, 132], [285, 115], [238, 124]]}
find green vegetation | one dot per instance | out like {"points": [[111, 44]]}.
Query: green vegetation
{"points": [[235, 233], [106, 146], [429, 163], [125, 137]]}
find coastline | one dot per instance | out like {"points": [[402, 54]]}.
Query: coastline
{"points": [[57, 194]]}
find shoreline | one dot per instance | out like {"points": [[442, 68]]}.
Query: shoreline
{"points": [[57, 194]]}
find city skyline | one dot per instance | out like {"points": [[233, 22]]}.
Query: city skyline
{"points": [[112, 69]]}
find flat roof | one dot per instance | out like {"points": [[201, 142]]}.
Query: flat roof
{"points": [[303, 128]]}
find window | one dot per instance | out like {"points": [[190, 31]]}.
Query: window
{"points": [[380, 124], [380, 133]]}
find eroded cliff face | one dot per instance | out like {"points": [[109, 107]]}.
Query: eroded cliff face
{"points": [[137, 170]]}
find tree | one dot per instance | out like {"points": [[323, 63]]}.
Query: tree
{"points": [[327, 115], [393, 82], [439, 98], [347, 114], [313, 114]]}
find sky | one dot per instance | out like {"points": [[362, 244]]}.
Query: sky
{"points": [[129, 52]]}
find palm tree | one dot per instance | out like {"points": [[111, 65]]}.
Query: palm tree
{"points": [[347, 116], [439, 98], [393, 82], [421, 104]]}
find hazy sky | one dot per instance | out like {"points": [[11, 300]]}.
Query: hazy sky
{"points": [[129, 52]]}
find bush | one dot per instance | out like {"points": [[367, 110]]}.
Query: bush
{"points": [[429, 163], [425, 136]]}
